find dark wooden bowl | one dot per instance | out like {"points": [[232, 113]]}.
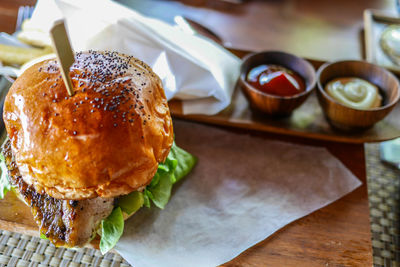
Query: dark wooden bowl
{"points": [[350, 119], [272, 104]]}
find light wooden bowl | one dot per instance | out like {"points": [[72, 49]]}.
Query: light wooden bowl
{"points": [[350, 119], [272, 104]]}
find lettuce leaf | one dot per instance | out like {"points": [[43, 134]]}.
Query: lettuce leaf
{"points": [[161, 192], [131, 203], [111, 230], [185, 162], [42, 236], [5, 184], [177, 165]]}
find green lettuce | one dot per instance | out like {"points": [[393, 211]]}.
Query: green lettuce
{"points": [[177, 165], [5, 185], [131, 203], [184, 162], [42, 236], [111, 230]]}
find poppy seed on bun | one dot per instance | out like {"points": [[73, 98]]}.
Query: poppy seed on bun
{"points": [[104, 141]]}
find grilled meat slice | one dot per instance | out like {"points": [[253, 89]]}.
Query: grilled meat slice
{"points": [[84, 218], [68, 223]]}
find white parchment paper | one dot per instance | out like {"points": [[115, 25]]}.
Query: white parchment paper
{"points": [[242, 190]]}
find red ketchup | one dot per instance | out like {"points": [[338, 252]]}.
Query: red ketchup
{"points": [[275, 80]]}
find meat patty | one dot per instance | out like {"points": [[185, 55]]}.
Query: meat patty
{"points": [[68, 223]]}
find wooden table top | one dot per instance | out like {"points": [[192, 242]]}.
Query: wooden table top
{"points": [[9, 13], [313, 29], [338, 234], [324, 30]]}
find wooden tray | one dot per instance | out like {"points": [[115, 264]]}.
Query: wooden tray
{"points": [[375, 21], [306, 121]]}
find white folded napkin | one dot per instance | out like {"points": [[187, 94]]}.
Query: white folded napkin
{"points": [[192, 68]]}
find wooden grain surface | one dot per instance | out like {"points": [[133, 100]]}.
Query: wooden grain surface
{"points": [[9, 12], [314, 29], [336, 235], [306, 121], [326, 30]]}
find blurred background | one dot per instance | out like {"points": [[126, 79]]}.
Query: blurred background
{"points": [[324, 30]]}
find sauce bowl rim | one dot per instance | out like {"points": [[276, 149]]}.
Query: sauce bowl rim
{"points": [[309, 88], [321, 89]]}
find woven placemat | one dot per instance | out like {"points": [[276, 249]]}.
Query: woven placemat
{"points": [[384, 195], [383, 189], [22, 250]]}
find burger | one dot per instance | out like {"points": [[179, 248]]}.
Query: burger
{"points": [[86, 162]]}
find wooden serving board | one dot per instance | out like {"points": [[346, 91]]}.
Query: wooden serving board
{"points": [[336, 235], [306, 121], [15, 216]]}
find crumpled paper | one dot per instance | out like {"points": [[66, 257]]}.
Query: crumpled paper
{"points": [[242, 190], [192, 68]]}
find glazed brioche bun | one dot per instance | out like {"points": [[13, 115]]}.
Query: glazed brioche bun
{"points": [[104, 141]]}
